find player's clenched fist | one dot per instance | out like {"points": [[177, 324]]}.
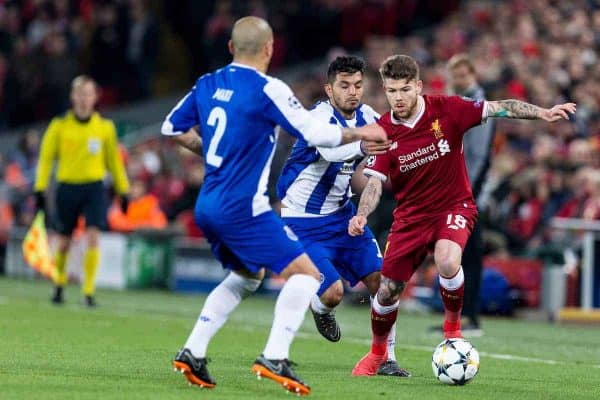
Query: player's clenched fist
{"points": [[356, 226]]}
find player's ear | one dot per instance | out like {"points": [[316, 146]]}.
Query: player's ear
{"points": [[328, 89], [231, 48], [268, 49], [419, 86]]}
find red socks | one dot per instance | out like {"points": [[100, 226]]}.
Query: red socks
{"points": [[452, 290], [382, 320]]}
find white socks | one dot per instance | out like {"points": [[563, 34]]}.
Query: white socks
{"points": [[379, 309], [317, 305], [391, 344], [391, 340], [217, 307], [455, 282], [290, 307]]}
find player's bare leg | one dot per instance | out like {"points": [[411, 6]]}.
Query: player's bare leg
{"points": [[222, 300], [390, 367], [447, 257], [323, 311], [302, 284], [384, 310]]}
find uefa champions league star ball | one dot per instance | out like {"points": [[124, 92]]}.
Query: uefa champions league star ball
{"points": [[455, 362]]}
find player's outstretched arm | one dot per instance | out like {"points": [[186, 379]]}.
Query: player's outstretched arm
{"points": [[522, 110], [369, 200], [371, 132], [191, 140]]}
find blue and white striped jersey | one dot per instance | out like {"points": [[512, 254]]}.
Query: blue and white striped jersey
{"points": [[238, 110], [316, 181]]}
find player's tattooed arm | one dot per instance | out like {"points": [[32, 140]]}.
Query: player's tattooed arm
{"points": [[191, 140], [522, 110], [368, 202], [370, 197], [389, 291]]}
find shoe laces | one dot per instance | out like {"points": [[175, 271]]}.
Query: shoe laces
{"points": [[290, 363], [327, 317]]}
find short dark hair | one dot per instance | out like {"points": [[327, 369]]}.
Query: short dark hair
{"points": [[399, 67], [346, 64]]}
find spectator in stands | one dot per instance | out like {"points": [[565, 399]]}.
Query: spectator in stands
{"points": [[142, 48], [591, 207], [477, 146], [143, 211], [194, 177], [107, 48], [26, 155]]}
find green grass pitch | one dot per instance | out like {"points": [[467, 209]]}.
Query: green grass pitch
{"points": [[123, 349]]}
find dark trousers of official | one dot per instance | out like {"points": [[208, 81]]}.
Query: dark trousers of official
{"points": [[472, 263]]}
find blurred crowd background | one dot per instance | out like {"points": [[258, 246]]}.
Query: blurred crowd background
{"points": [[541, 51]]}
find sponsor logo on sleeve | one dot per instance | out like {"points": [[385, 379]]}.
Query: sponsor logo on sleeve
{"points": [[476, 102]]}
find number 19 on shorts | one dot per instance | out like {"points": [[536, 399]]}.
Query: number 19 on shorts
{"points": [[456, 221]]}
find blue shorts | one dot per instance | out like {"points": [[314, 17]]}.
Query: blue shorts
{"points": [[251, 244], [335, 253]]}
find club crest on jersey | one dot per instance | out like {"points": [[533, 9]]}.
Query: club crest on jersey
{"points": [[436, 129], [294, 102]]}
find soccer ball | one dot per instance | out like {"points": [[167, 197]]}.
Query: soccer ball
{"points": [[455, 362]]}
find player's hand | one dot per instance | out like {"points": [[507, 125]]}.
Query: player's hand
{"points": [[372, 132], [124, 200], [370, 148], [356, 226], [40, 201], [558, 112]]}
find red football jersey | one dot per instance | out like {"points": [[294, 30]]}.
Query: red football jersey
{"points": [[425, 162]]}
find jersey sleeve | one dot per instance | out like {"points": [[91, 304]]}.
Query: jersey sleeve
{"points": [[284, 109], [114, 159], [378, 166], [466, 112], [343, 153], [48, 154], [370, 114], [183, 116]]}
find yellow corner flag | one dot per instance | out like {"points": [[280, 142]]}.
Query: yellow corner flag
{"points": [[36, 250]]}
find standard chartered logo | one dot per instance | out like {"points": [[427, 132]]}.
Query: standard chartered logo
{"points": [[444, 146]]}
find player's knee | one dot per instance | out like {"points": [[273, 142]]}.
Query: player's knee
{"points": [[333, 295], [243, 285], [301, 265], [389, 291], [93, 236], [63, 243], [448, 267]]}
